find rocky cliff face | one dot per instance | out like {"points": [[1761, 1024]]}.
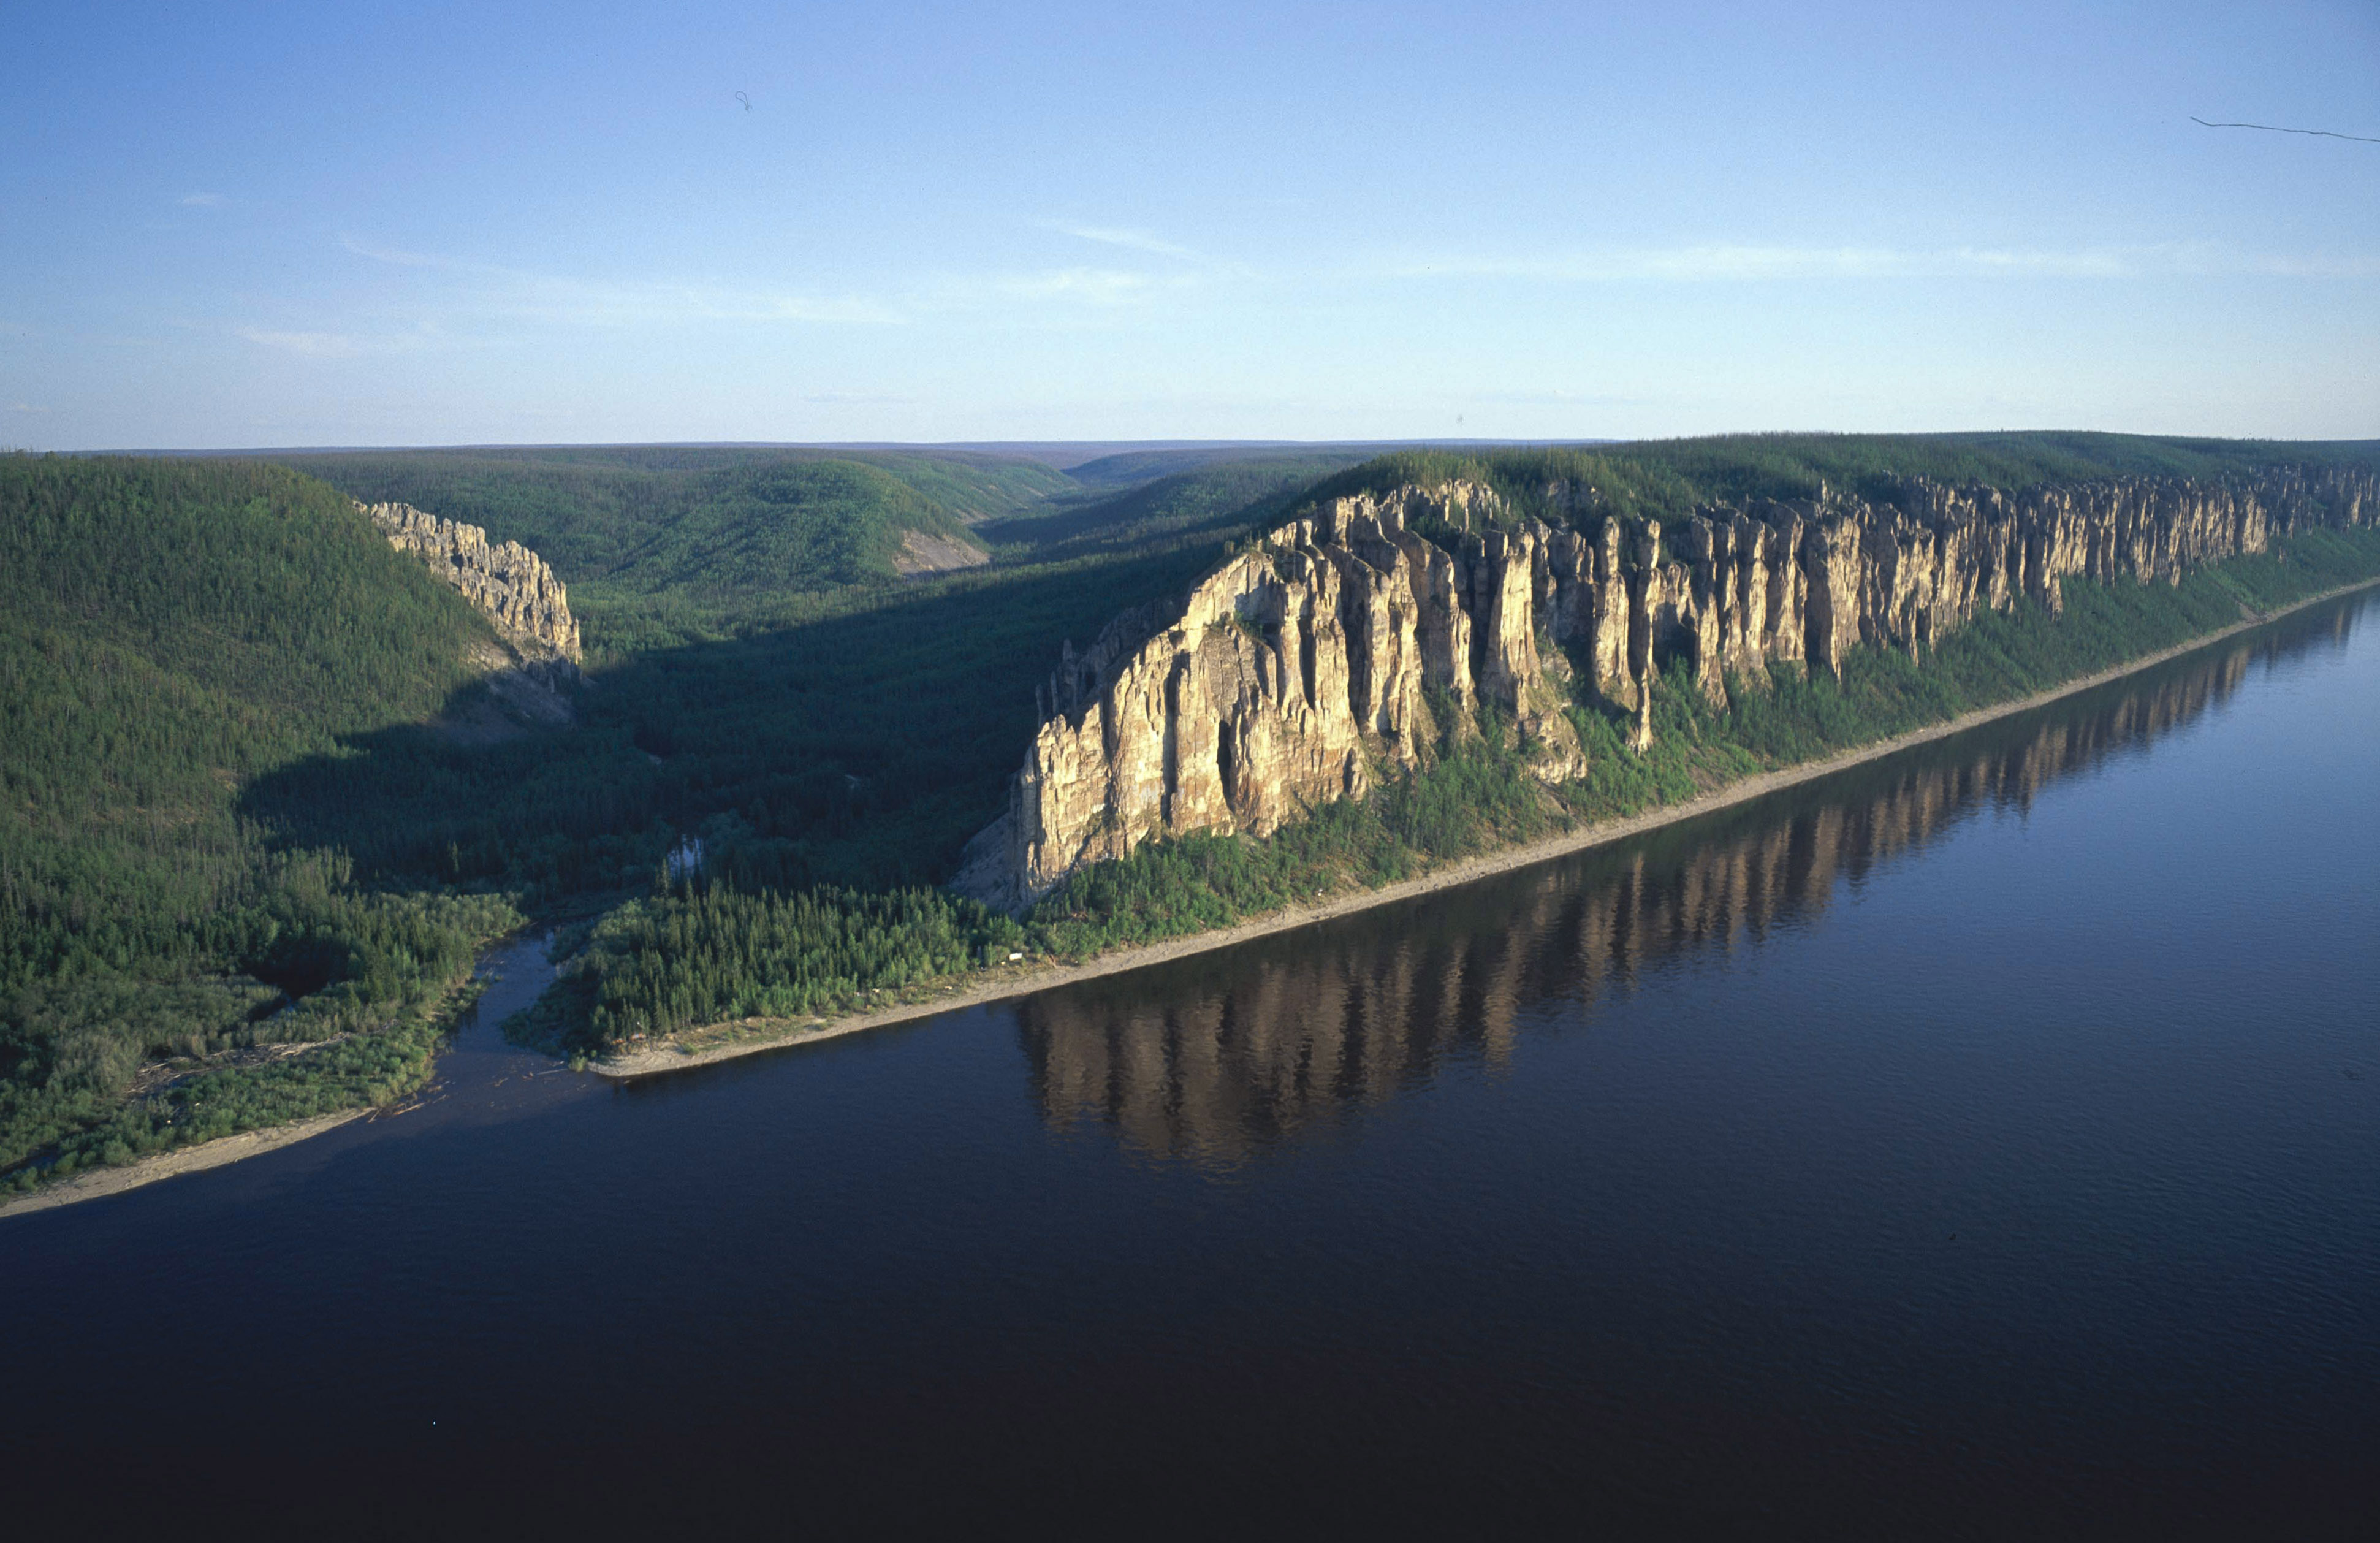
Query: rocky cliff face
{"points": [[1287, 1039], [507, 581], [1348, 641]]}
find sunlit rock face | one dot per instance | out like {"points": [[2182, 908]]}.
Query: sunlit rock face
{"points": [[507, 581], [1216, 1066], [1340, 648]]}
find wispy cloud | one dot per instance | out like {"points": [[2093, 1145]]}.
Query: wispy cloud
{"points": [[2310, 267], [1104, 287], [380, 254], [490, 290], [1721, 263], [320, 345], [493, 289], [202, 201], [855, 398], [25, 407], [1554, 397], [1136, 240], [354, 341]]}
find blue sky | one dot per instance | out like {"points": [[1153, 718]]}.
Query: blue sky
{"points": [[302, 225]]}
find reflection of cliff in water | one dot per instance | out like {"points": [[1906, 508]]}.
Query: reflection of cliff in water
{"points": [[1213, 1058]]}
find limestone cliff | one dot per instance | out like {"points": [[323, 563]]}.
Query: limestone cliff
{"points": [[507, 581], [1343, 644], [1213, 1075], [529, 676]]}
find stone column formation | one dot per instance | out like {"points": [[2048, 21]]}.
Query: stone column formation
{"points": [[1211, 1076], [509, 581], [1343, 644]]}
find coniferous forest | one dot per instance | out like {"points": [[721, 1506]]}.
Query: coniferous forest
{"points": [[256, 828]]}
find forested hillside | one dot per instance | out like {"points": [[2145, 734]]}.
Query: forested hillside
{"points": [[170, 633], [700, 540], [1178, 509], [234, 825], [1663, 479]]}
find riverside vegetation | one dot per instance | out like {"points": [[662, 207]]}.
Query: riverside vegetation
{"points": [[245, 858], [168, 633], [250, 842]]}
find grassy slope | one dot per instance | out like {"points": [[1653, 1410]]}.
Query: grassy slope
{"points": [[170, 633]]}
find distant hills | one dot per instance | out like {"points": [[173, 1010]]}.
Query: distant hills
{"points": [[708, 523]]}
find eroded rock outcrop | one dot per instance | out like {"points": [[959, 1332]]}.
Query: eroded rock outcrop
{"points": [[505, 579], [1341, 646], [532, 671], [1288, 1039]]}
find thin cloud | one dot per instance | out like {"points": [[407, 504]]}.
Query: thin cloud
{"points": [[378, 253], [467, 296], [1720, 263], [202, 201], [25, 407], [583, 302], [1098, 286], [2313, 267], [320, 345], [1555, 397], [497, 290], [1137, 240]]}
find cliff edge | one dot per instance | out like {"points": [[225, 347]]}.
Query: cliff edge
{"points": [[513, 586], [1343, 644]]}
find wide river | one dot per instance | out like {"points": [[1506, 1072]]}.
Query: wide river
{"points": [[1985, 1142]]}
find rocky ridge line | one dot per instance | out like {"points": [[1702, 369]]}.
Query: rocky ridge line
{"points": [[533, 668], [1334, 648], [1381, 1017], [506, 581]]}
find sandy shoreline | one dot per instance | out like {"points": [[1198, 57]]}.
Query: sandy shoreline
{"points": [[1021, 981], [93, 1183]]}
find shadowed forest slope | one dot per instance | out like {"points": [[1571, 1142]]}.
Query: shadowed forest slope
{"points": [[171, 633]]}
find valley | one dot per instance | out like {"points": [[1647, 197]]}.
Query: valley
{"points": [[1245, 689]]}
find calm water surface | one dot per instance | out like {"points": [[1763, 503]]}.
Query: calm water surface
{"points": [[1984, 1143]]}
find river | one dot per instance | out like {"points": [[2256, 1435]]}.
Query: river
{"points": [[1983, 1142]]}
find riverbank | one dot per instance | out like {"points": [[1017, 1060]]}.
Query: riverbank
{"points": [[445, 1019], [93, 1183], [752, 1037]]}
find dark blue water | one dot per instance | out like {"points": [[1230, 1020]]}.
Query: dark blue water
{"points": [[1984, 1143]]}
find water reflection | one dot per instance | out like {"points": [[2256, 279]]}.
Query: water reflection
{"points": [[1211, 1060]]}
